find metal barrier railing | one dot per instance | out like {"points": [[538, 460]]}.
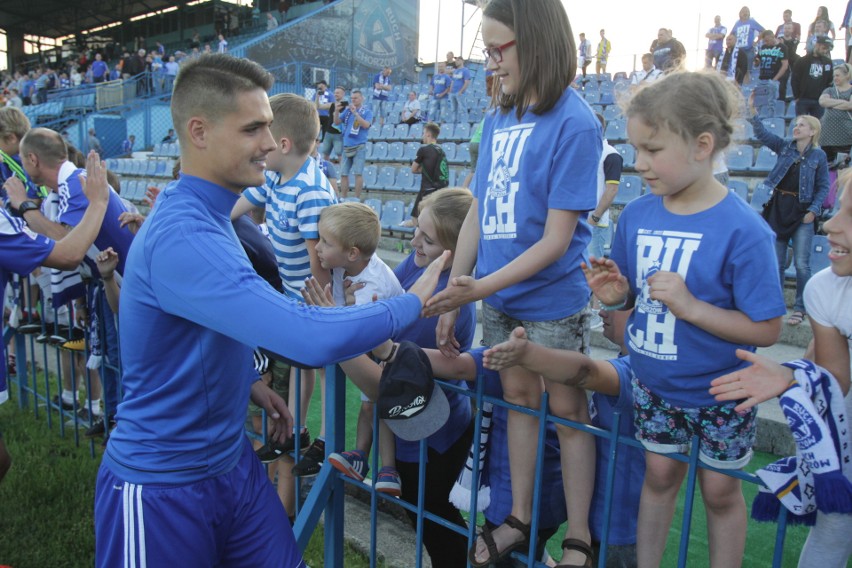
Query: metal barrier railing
{"points": [[32, 387]]}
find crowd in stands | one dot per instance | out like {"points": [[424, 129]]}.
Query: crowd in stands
{"points": [[688, 269]]}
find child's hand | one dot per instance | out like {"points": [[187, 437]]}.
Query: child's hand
{"points": [[445, 334], [763, 380], [133, 221], [315, 295], [151, 195], [670, 289], [349, 289], [606, 280], [509, 353], [106, 261], [424, 287], [461, 290]]}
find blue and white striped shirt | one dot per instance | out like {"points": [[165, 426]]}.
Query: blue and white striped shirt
{"points": [[292, 214]]}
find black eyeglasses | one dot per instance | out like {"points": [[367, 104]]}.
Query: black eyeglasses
{"points": [[496, 53]]}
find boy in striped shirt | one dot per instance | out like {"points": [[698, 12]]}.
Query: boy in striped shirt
{"points": [[295, 193]]}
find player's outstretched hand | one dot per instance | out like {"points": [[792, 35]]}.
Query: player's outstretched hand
{"points": [[94, 183], [763, 380], [425, 285], [606, 280], [509, 353]]}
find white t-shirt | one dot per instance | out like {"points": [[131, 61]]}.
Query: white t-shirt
{"points": [[379, 279], [828, 300]]}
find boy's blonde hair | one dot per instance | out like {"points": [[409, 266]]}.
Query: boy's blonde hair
{"points": [[295, 118], [448, 208], [688, 103], [815, 125], [13, 121], [352, 224]]}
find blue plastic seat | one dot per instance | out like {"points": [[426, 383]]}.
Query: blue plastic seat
{"points": [[819, 253], [395, 151], [760, 196], [151, 168], [387, 177], [765, 160], [629, 189], [386, 132], [739, 187], [400, 132], [463, 153], [370, 174], [410, 151], [405, 180], [592, 96], [611, 112], [628, 154], [416, 131], [393, 213], [380, 151], [449, 150], [448, 131], [462, 132], [375, 205], [775, 125], [740, 158], [616, 130]]}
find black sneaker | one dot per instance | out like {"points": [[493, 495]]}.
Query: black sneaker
{"points": [[98, 427], [311, 462], [58, 401], [268, 453]]}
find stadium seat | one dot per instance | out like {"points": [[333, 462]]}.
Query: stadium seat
{"points": [[386, 132], [592, 96], [628, 154], [350, 200], [162, 168], [174, 150], [370, 174], [740, 158], [791, 111], [475, 115], [150, 168], [393, 213], [158, 150], [416, 131], [739, 187], [619, 75], [760, 196], [611, 112], [417, 182], [463, 153], [775, 125], [629, 189], [369, 156], [410, 151], [375, 205], [743, 130], [380, 151], [462, 132], [400, 132], [616, 130], [387, 176], [405, 180], [448, 131], [819, 253], [138, 168], [607, 98], [765, 160], [395, 151], [449, 150]]}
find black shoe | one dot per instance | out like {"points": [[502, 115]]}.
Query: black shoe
{"points": [[98, 427], [311, 462], [268, 453], [58, 401]]}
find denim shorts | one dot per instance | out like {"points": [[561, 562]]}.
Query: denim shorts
{"points": [[570, 333], [355, 164], [332, 145], [725, 436]]}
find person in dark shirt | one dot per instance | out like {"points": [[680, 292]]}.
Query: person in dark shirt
{"points": [[668, 52], [431, 163], [812, 74], [774, 61]]}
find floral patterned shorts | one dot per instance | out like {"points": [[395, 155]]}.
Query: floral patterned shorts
{"points": [[725, 436]]}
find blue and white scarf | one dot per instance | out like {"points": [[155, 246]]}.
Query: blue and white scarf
{"points": [[460, 494], [817, 477]]}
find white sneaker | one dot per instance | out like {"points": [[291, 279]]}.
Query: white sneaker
{"points": [[596, 322]]}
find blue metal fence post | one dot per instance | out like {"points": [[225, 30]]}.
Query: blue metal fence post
{"points": [[688, 502], [335, 430]]}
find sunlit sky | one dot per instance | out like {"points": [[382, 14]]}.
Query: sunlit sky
{"points": [[630, 25]]}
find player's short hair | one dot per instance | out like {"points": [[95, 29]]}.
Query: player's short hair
{"points": [[45, 143], [295, 118], [209, 84], [433, 129], [352, 224]]}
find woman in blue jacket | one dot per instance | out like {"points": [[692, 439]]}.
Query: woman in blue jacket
{"points": [[799, 182]]}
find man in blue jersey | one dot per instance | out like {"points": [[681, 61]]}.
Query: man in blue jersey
{"points": [[22, 250], [355, 121], [179, 483]]}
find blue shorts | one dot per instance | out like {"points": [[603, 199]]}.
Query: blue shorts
{"points": [[725, 436], [332, 145], [355, 164], [234, 519]]}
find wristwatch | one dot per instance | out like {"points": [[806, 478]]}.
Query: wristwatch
{"points": [[24, 207], [595, 219]]}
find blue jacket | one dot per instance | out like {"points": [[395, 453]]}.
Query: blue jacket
{"points": [[813, 172]]}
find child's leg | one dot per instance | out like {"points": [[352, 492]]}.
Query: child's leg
{"points": [[663, 477], [364, 429], [577, 454], [387, 445], [726, 517]]}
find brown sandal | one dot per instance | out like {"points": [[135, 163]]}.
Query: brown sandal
{"points": [[580, 546], [495, 555]]}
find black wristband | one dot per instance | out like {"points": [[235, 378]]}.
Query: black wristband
{"points": [[24, 207]]}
